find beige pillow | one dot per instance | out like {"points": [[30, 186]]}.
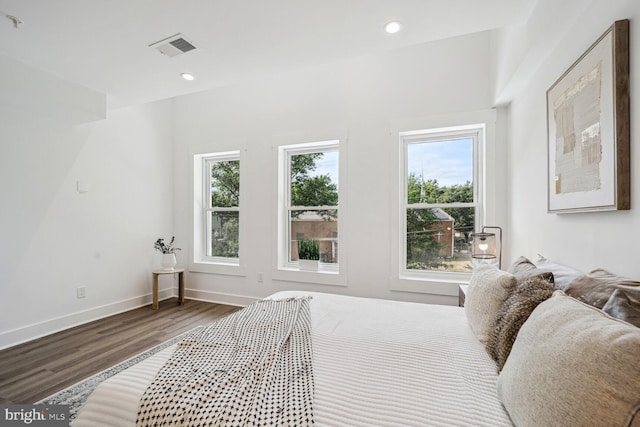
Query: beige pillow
{"points": [[572, 364], [524, 270], [488, 288]]}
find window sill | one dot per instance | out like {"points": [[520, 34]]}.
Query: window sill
{"points": [[218, 268], [320, 277], [428, 285]]}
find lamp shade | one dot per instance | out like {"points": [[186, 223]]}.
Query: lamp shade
{"points": [[484, 246]]}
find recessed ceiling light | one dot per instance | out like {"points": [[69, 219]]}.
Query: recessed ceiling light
{"points": [[392, 27], [187, 76]]}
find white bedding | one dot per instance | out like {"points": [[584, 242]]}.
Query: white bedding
{"points": [[375, 363]]}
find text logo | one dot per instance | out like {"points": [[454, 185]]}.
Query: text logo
{"points": [[34, 415]]}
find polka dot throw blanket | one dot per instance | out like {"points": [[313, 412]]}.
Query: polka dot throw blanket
{"points": [[251, 368]]}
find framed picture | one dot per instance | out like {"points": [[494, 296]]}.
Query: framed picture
{"points": [[588, 129]]}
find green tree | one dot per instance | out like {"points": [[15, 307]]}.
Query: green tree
{"points": [[457, 193], [225, 192], [414, 189], [225, 184], [309, 190], [463, 193], [431, 191], [302, 165], [422, 245], [225, 238], [306, 190]]}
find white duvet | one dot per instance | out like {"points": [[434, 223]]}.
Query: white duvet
{"points": [[375, 363]]}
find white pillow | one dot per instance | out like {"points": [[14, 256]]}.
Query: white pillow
{"points": [[489, 287], [562, 274], [572, 364]]}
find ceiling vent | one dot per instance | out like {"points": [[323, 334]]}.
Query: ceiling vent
{"points": [[173, 46]]}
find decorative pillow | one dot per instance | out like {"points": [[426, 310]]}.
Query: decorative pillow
{"points": [[562, 275], [488, 288], [595, 288], [513, 313], [524, 270], [572, 364], [621, 307]]}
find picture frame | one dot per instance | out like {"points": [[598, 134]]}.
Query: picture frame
{"points": [[588, 129]]}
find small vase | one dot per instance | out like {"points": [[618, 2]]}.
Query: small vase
{"points": [[169, 261]]}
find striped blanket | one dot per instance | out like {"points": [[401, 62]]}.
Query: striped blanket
{"points": [[251, 368]]}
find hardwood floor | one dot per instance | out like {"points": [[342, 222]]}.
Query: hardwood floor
{"points": [[36, 369]]}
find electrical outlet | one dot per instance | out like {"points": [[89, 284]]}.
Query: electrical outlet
{"points": [[81, 292], [260, 277]]}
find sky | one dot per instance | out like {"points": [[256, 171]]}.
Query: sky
{"points": [[328, 165], [450, 162]]}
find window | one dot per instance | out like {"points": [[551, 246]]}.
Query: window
{"points": [[309, 188], [217, 220], [441, 198]]}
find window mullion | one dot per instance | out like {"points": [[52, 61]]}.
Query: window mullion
{"points": [[313, 208], [225, 209], [441, 205]]}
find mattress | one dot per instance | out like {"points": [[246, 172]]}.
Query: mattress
{"points": [[375, 363]]}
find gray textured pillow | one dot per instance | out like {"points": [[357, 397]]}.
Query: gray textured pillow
{"points": [[488, 288], [524, 270], [572, 365], [621, 307], [514, 312], [595, 288]]}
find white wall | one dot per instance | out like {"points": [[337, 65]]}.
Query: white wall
{"points": [[55, 239], [585, 240], [362, 99]]}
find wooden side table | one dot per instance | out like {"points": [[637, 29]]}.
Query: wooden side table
{"points": [[156, 273]]}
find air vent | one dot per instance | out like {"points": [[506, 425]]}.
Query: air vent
{"points": [[173, 46]]}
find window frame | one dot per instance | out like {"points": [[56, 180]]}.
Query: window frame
{"points": [[476, 132], [202, 211], [284, 238]]}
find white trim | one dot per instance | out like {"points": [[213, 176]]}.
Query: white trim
{"points": [[38, 330], [218, 268], [312, 147], [199, 261], [444, 287], [47, 327], [219, 297], [333, 274], [475, 132], [321, 277], [432, 282]]}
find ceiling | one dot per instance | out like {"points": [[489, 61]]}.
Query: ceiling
{"points": [[104, 44]]}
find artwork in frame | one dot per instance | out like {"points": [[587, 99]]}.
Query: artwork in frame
{"points": [[588, 127]]}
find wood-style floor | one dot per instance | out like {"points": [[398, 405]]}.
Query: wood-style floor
{"points": [[36, 369]]}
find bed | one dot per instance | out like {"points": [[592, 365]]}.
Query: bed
{"points": [[375, 363]]}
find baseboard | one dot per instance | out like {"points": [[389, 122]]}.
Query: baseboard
{"points": [[219, 298], [51, 326]]}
